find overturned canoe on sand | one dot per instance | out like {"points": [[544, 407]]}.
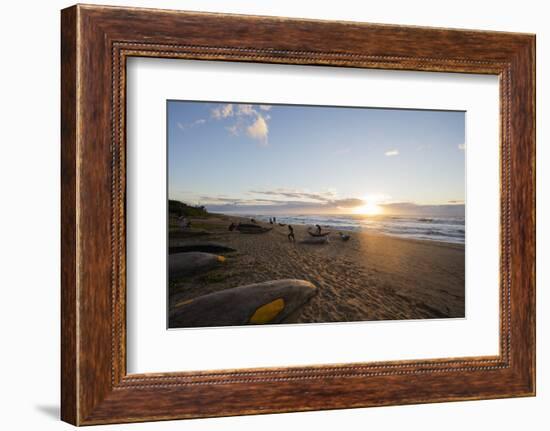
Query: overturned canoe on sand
{"points": [[207, 247], [253, 229], [180, 264], [188, 233], [315, 240], [248, 225], [253, 304], [319, 235]]}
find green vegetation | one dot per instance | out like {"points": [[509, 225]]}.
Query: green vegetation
{"points": [[179, 209]]}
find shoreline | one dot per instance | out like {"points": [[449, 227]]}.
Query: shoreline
{"points": [[335, 229]]}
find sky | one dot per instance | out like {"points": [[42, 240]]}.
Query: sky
{"points": [[296, 159]]}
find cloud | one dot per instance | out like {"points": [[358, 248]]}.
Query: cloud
{"points": [[348, 203], [258, 130], [219, 199], [391, 153], [249, 119], [198, 122], [234, 129], [287, 201], [413, 209], [340, 206], [231, 110], [224, 200], [462, 146], [246, 110], [222, 111], [324, 197]]}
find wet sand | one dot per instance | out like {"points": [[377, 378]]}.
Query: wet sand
{"points": [[369, 277]]}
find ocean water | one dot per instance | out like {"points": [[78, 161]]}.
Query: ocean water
{"points": [[445, 229]]}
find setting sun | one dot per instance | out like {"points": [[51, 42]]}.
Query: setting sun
{"points": [[368, 209], [371, 205]]}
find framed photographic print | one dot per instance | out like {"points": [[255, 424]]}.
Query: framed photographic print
{"points": [[331, 214], [282, 201]]}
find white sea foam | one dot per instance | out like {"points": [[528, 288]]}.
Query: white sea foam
{"points": [[437, 228]]}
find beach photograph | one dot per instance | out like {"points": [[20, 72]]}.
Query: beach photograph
{"points": [[302, 214]]}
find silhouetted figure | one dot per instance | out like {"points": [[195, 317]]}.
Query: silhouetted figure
{"points": [[252, 220], [232, 227], [291, 234], [184, 223], [270, 220], [318, 229], [274, 220]]}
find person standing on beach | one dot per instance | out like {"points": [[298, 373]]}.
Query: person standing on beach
{"points": [[291, 234], [318, 229]]}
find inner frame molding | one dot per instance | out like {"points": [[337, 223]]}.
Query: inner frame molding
{"points": [[96, 42]]}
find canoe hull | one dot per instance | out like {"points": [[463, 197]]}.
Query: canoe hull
{"points": [[259, 303], [184, 264]]}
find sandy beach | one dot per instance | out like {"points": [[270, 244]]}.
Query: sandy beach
{"points": [[369, 277]]}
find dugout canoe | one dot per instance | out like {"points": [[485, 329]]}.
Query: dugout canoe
{"points": [[182, 264], [260, 303]]}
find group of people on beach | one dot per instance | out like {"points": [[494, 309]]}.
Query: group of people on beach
{"points": [[290, 236]]}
